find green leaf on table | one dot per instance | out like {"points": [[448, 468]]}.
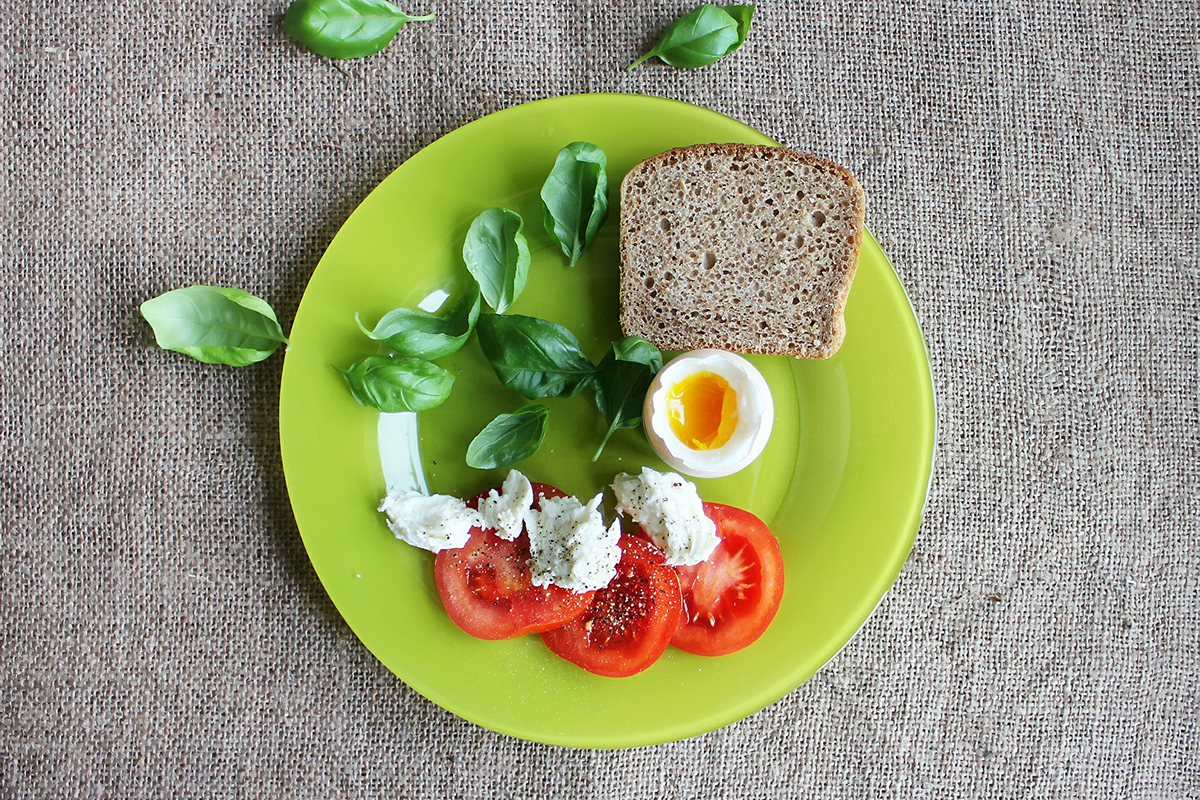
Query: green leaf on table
{"points": [[509, 438], [412, 332], [575, 198], [345, 28], [623, 377], [702, 36], [394, 385], [214, 324], [497, 256], [743, 16], [534, 357]]}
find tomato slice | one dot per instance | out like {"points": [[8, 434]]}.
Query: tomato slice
{"points": [[730, 599], [630, 622], [488, 590]]}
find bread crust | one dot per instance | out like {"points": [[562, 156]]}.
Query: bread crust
{"points": [[633, 301]]}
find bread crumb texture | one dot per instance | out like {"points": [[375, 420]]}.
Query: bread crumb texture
{"points": [[740, 247]]}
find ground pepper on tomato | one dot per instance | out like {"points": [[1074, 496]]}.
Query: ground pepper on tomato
{"points": [[628, 624], [487, 587], [712, 608]]}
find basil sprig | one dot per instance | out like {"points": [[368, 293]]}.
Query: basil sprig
{"points": [[345, 28], [214, 324], [410, 332], [509, 438], [575, 198], [703, 36], [622, 379], [534, 357], [497, 256], [394, 385]]}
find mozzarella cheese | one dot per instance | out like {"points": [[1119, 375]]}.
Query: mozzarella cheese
{"points": [[570, 546], [670, 512], [431, 522], [504, 511]]}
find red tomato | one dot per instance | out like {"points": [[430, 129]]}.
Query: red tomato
{"points": [[488, 590], [630, 622], [730, 599]]}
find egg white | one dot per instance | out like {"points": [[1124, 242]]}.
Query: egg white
{"points": [[755, 415]]}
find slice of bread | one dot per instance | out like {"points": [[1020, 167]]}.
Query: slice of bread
{"points": [[739, 247]]}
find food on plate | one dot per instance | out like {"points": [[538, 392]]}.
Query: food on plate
{"points": [[397, 385], [575, 198], [527, 558], [537, 358], [431, 522], [628, 624], [534, 357], [739, 247], [503, 509], [571, 546], [420, 334], [731, 598], [669, 512], [408, 380], [509, 438], [497, 256], [708, 413], [487, 588], [622, 378]]}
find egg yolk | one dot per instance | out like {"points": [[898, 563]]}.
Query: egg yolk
{"points": [[702, 409]]}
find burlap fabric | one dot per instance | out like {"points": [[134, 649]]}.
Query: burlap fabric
{"points": [[1032, 169]]}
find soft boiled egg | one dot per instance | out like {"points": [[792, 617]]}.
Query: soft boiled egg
{"points": [[708, 413]]}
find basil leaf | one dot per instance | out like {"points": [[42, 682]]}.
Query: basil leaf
{"points": [[497, 256], [622, 380], [509, 438], [406, 384], [703, 36], [534, 357], [417, 333], [575, 198], [636, 350], [345, 28], [743, 16], [214, 324]]}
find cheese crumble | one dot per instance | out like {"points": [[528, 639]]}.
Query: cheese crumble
{"points": [[504, 511], [670, 512], [571, 547], [431, 522]]}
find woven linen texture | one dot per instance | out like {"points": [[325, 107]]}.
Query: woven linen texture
{"points": [[1031, 168]]}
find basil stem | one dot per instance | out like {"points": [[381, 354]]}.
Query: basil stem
{"points": [[410, 332], [405, 384], [534, 357], [702, 36], [575, 198], [509, 438], [214, 324], [345, 28], [497, 256], [623, 377]]}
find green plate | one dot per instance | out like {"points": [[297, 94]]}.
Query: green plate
{"points": [[842, 482]]}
